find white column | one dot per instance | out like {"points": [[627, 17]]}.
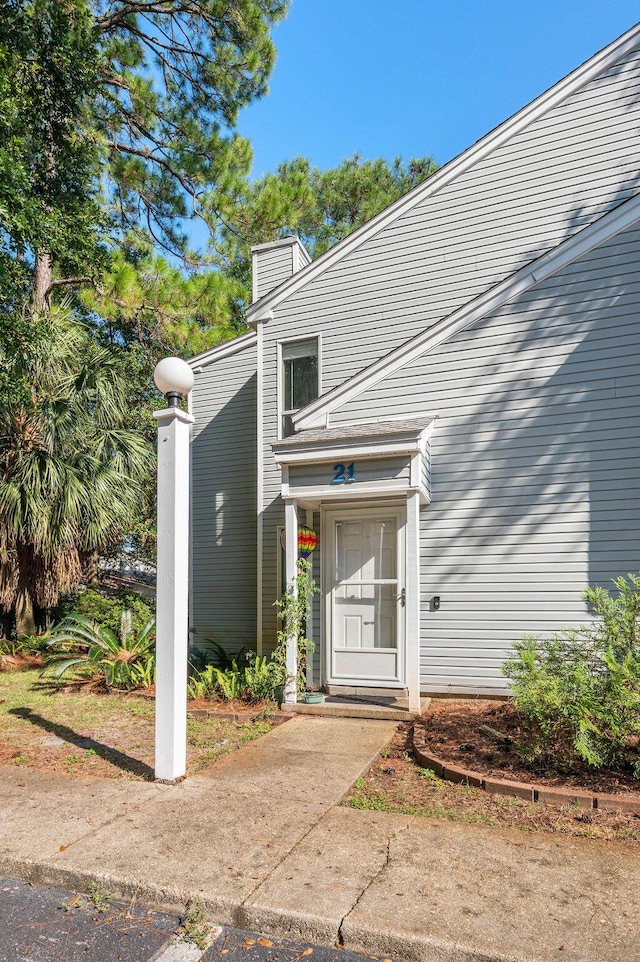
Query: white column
{"points": [[259, 476], [412, 611], [172, 593], [291, 537], [309, 524]]}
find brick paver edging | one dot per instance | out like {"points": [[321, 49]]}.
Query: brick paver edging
{"points": [[530, 792]]}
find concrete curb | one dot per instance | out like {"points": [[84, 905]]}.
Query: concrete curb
{"points": [[281, 923], [529, 791]]}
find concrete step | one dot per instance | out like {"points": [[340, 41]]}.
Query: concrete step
{"points": [[333, 707]]}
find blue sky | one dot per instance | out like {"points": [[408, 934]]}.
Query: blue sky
{"points": [[415, 77]]}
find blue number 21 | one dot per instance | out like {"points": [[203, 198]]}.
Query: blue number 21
{"points": [[344, 473]]}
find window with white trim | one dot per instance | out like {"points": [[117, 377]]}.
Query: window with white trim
{"points": [[300, 379]]}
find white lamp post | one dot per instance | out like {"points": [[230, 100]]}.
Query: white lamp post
{"points": [[174, 378]]}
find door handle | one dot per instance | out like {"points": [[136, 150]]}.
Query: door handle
{"points": [[402, 597]]}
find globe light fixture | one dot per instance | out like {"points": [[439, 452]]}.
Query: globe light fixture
{"points": [[174, 378]]}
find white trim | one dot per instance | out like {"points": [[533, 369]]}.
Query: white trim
{"points": [[412, 609], [414, 469], [279, 380], [280, 530], [254, 276], [173, 414], [226, 349], [600, 62], [259, 483], [361, 681], [322, 636], [190, 627], [363, 492], [309, 523], [336, 449], [399, 507], [283, 242], [280, 373], [291, 552], [284, 491], [602, 230]]}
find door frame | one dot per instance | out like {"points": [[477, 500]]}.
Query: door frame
{"points": [[371, 510]]}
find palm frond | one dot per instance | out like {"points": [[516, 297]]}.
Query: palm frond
{"points": [[71, 472]]}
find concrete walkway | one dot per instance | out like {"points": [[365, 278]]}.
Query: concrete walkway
{"points": [[262, 842]]}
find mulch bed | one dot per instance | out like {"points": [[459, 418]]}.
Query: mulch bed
{"points": [[452, 734], [396, 783]]}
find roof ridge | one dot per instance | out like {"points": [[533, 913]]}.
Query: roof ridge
{"points": [[591, 68], [599, 231]]}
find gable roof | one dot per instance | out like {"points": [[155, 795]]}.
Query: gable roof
{"points": [[262, 309], [222, 350], [620, 218]]}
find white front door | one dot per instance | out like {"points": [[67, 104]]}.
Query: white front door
{"points": [[365, 596]]}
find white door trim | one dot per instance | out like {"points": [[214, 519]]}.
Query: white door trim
{"points": [[368, 509]]}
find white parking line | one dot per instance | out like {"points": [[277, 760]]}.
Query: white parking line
{"points": [[180, 951]]}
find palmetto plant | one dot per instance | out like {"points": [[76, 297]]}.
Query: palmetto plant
{"points": [[125, 660], [70, 469]]}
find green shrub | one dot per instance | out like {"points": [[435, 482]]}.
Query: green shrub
{"points": [[106, 610], [211, 652], [212, 681], [125, 660], [580, 689], [258, 680], [263, 678], [30, 645]]}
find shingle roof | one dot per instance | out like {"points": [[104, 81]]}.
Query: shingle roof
{"points": [[358, 432]]}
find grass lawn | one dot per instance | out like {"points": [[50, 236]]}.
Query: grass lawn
{"points": [[109, 736], [395, 783]]}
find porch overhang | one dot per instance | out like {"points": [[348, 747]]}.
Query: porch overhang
{"points": [[357, 462]]}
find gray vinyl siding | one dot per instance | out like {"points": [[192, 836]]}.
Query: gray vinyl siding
{"points": [[224, 503], [274, 267], [535, 471], [559, 174]]}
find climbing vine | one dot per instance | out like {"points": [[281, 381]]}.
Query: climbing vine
{"points": [[294, 608]]}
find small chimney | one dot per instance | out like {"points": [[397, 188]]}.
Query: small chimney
{"points": [[275, 262]]}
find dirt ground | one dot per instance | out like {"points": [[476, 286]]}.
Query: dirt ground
{"points": [[452, 730], [106, 736], [395, 783]]}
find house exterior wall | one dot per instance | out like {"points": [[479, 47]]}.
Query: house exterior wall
{"points": [[535, 470], [273, 267], [224, 467], [561, 172], [534, 457]]}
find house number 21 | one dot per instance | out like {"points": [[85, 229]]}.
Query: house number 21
{"points": [[344, 473]]}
